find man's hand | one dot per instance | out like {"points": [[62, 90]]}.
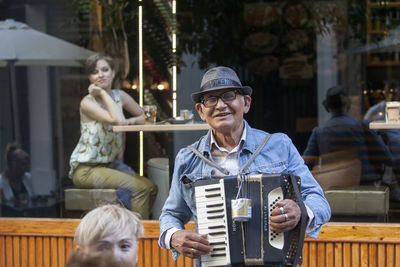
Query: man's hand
{"points": [[190, 244], [285, 216]]}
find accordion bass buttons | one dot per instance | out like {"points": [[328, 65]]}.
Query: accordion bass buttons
{"points": [[275, 239]]}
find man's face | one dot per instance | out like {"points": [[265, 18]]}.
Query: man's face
{"points": [[225, 116]]}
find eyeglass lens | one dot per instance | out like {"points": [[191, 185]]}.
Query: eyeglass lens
{"points": [[212, 100]]}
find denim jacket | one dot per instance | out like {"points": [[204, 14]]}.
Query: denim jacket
{"points": [[278, 155]]}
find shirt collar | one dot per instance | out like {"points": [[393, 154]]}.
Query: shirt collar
{"points": [[242, 140]]}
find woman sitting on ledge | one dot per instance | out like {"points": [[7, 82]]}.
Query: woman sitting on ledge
{"points": [[99, 146]]}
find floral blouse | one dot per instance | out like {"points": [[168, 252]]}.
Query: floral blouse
{"points": [[98, 143]]}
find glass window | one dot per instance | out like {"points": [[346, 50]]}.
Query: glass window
{"points": [[323, 72]]}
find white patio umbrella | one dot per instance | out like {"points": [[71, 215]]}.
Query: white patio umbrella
{"points": [[20, 45]]}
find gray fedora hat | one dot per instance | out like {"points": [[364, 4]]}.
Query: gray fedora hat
{"points": [[219, 78]]}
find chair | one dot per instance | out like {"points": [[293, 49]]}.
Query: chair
{"points": [[78, 200], [359, 203]]}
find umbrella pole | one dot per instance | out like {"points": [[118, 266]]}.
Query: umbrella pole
{"points": [[14, 98]]}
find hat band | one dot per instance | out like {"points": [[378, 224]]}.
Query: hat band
{"points": [[218, 83]]}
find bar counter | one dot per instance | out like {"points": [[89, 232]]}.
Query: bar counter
{"points": [[161, 127]]}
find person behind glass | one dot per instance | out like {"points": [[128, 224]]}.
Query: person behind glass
{"points": [[345, 133], [222, 102], [391, 137], [108, 235], [15, 182], [99, 147]]}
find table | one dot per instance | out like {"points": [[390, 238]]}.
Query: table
{"points": [[154, 127], [383, 125], [162, 127]]}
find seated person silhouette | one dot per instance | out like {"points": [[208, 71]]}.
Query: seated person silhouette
{"points": [[15, 182], [342, 133], [391, 137]]}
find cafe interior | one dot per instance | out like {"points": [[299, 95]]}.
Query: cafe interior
{"points": [[289, 52]]}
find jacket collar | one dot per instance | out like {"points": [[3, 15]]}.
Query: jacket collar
{"points": [[250, 143]]}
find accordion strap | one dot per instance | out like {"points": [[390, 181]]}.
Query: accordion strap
{"points": [[241, 171], [210, 162], [225, 171]]}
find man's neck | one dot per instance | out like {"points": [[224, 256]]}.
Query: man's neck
{"points": [[229, 140]]}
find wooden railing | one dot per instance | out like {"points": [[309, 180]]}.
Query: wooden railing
{"points": [[48, 242]]}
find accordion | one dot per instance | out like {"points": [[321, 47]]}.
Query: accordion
{"points": [[251, 242]]}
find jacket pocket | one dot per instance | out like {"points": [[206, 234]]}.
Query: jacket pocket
{"points": [[273, 167]]}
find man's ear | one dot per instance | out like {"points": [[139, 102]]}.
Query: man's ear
{"points": [[247, 102], [199, 109]]}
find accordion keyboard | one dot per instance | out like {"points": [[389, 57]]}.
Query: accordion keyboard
{"points": [[211, 220]]}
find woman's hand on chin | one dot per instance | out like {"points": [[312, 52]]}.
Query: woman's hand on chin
{"points": [[95, 90]]}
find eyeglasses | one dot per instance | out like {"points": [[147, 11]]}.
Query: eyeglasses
{"points": [[212, 101]]}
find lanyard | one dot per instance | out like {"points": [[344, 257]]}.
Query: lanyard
{"points": [[225, 171]]}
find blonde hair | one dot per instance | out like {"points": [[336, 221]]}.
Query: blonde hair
{"points": [[105, 221]]}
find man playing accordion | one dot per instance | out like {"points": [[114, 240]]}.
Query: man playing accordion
{"points": [[222, 102]]}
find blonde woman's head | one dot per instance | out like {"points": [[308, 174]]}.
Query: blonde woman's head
{"points": [[110, 228]]}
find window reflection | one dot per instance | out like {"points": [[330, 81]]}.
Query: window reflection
{"points": [[290, 52]]}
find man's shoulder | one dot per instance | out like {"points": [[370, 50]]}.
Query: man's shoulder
{"points": [[199, 145]]}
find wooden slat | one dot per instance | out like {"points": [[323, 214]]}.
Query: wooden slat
{"points": [[364, 255], [372, 255], [9, 251], [329, 258], [31, 251], [147, 250], [321, 254], [389, 255], [313, 251], [16, 249], [46, 252], [346, 254], [397, 255], [61, 251], [53, 251], [141, 256], [24, 251], [306, 259], [68, 247], [338, 254], [355, 253], [39, 251], [155, 250], [2, 251], [164, 256], [381, 255]]}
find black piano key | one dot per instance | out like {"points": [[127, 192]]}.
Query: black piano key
{"points": [[212, 189], [216, 226], [214, 205], [217, 233], [215, 217], [213, 195], [215, 211], [217, 243], [218, 255]]}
